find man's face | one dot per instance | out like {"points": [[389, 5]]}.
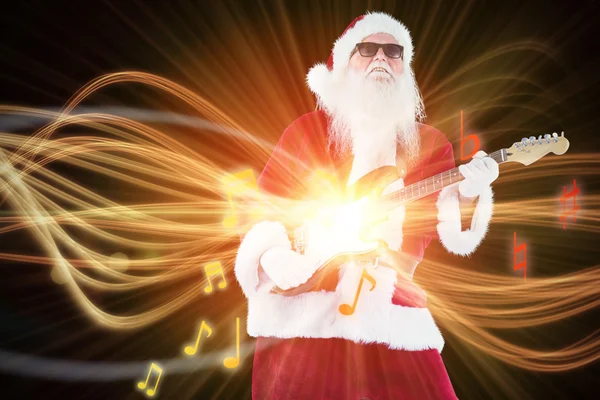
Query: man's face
{"points": [[368, 65]]}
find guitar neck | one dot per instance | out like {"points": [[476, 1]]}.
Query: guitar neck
{"points": [[432, 184]]}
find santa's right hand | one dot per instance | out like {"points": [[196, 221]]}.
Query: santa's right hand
{"points": [[286, 268]]}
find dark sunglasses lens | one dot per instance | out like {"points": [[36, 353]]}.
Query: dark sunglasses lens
{"points": [[392, 50], [367, 49]]}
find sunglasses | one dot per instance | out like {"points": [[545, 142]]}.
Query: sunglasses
{"points": [[368, 49]]}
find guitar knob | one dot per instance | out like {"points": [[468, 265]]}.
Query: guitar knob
{"points": [[518, 145]]}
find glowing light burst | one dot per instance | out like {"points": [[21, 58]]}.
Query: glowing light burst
{"points": [[190, 231]]}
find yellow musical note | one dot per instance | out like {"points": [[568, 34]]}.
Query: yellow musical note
{"points": [[233, 362], [236, 184], [142, 385], [211, 269], [346, 309], [189, 350]]}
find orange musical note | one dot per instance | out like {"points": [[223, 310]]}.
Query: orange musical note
{"points": [[346, 309], [472, 137], [211, 269], [237, 184], [522, 264], [189, 350], [233, 362], [142, 385], [573, 193]]}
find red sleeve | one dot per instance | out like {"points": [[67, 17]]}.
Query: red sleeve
{"points": [[442, 159], [276, 181], [422, 214], [280, 173]]}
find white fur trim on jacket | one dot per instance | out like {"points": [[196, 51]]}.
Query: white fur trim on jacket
{"points": [[452, 237], [260, 238], [316, 314], [373, 22]]}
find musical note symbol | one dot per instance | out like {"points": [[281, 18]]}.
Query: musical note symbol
{"points": [[472, 137], [142, 385], [236, 184], [233, 362], [189, 350], [211, 269], [573, 193], [522, 264], [346, 309]]}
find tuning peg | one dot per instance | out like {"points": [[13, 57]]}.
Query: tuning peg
{"points": [[562, 134], [539, 139], [524, 141], [532, 140], [547, 136], [555, 136]]}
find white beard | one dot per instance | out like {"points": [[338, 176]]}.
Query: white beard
{"points": [[369, 117]]}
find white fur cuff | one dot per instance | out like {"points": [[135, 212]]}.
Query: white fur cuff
{"points": [[260, 238], [453, 238], [375, 319]]}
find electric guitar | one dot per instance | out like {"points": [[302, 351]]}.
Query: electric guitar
{"points": [[340, 234]]}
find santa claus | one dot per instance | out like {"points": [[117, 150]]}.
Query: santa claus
{"points": [[369, 116]]}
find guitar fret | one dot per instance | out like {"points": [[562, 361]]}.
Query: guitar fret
{"points": [[434, 183]]}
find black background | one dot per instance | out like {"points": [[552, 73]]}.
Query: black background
{"points": [[49, 50]]}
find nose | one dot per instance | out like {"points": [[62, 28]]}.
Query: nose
{"points": [[380, 55]]}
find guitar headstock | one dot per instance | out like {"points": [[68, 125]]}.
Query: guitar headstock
{"points": [[528, 151]]}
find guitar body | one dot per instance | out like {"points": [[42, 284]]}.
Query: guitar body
{"points": [[326, 277], [330, 256], [342, 238]]}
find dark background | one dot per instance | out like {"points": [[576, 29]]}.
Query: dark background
{"points": [[250, 59]]}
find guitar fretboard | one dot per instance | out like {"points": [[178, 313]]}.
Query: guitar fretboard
{"points": [[432, 184]]}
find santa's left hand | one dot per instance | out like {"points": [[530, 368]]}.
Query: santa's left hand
{"points": [[479, 173]]}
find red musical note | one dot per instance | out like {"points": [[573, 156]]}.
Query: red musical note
{"points": [[472, 137], [573, 193], [522, 264], [348, 309]]}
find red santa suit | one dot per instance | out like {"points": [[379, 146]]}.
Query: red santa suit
{"points": [[389, 348]]}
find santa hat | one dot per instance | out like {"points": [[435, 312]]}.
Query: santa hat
{"points": [[321, 74]]}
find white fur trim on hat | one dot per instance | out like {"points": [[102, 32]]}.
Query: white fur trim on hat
{"points": [[373, 22], [453, 238]]}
